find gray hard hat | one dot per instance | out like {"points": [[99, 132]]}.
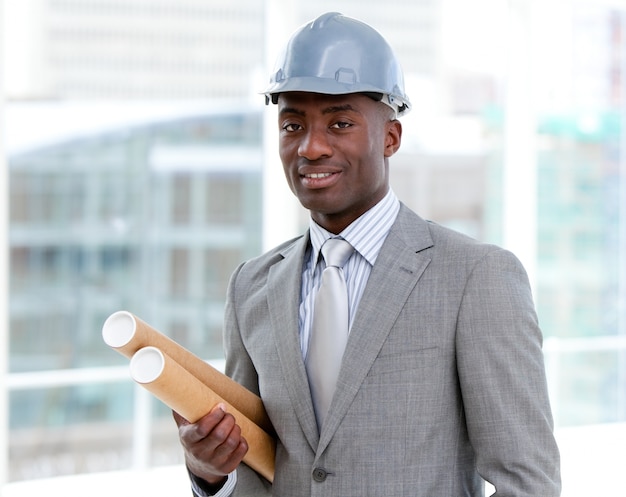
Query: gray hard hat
{"points": [[336, 55]]}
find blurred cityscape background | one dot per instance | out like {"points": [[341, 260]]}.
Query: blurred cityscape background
{"points": [[142, 168]]}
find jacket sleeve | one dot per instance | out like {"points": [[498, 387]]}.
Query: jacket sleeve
{"points": [[503, 383], [239, 367]]}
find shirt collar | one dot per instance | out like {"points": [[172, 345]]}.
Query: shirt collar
{"points": [[366, 233]]}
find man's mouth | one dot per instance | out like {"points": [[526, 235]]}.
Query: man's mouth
{"points": [[319, 180]]}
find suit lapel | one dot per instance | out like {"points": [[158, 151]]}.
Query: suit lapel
{"points": [[284, 279], [396, 271]]}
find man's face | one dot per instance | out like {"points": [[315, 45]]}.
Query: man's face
{"points": [[334, 150]]}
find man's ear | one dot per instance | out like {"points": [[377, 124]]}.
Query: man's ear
{"points": [[393, 137]]}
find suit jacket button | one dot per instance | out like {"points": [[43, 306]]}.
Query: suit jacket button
{"points": [[319, 474]]}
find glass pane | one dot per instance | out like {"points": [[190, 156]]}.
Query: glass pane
{"points": [[59, 431]]}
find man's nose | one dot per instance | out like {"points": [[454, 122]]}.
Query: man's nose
{"points": [[315, 144]]}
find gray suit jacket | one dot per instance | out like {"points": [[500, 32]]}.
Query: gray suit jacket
{"points": [[442, 382]]}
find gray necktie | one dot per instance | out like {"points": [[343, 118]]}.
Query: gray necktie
{"points": [[330, 327]]}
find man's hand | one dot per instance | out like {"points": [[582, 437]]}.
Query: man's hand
{"points": [[213, 445]]}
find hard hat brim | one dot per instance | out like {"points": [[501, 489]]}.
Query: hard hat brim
{"points": [[329, 86]]}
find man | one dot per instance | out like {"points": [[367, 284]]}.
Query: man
{"points": [[442, 382]]}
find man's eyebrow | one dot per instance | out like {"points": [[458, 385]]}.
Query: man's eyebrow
{"points": [[292, 110], [339, 108], [331, 109]]}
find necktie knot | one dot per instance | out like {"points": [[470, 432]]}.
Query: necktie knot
{"points": [[336, 252]]}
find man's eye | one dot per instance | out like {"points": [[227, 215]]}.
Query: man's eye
{"points": [[341, 125], [291, 127]]}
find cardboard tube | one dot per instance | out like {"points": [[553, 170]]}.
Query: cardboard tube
{"points": [[192, 399], [126, 333]]}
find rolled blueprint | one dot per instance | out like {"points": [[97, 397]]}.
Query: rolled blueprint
{"points": [[192, 399], [126, 333]]}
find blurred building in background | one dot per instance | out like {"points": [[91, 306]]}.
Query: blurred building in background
{"points": [[581, 216], [151, 211], [151, 218], [138, 49]]}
